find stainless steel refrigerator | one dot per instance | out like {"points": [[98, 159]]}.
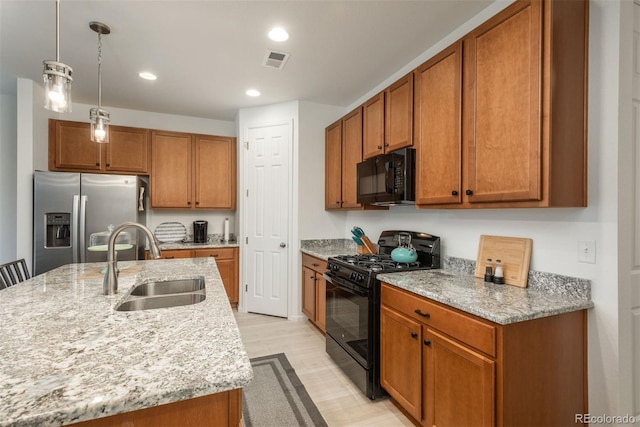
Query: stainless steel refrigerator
{"points": [[69, 207]]}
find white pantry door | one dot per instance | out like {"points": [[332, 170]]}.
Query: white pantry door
{"points": [[268, 202]]}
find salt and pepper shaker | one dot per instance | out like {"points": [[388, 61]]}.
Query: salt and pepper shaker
{"points": [[488, 271], [498, 275]]}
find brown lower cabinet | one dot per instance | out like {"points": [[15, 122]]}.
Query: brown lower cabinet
{"points": [[445, 367], [220, 409], [314, 288], [226, 259]]}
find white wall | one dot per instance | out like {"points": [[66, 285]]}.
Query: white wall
{"points": [[8, 156], [555, 232]]}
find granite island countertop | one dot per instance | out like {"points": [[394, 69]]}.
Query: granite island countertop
{"points": [[69, 356], [502, 304]]}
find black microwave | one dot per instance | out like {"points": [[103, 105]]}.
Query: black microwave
{"points": [[388, 179]]}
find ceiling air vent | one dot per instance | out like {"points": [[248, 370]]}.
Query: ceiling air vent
{"points": [[275, 59]]}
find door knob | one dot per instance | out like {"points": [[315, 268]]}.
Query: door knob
{"points": [[283, 245]]}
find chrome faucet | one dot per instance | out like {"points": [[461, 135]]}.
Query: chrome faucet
{"points": [[110, 283]]}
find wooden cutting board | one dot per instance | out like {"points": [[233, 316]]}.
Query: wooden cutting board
{"points": [[514, 252]]}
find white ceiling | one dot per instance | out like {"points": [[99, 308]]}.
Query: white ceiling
{"points": [[208, 53]]}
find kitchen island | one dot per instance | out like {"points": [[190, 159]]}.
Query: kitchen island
{"points": [[69, 356]]}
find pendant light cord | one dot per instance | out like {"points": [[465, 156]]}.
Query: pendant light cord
{"points": [[99, 70], [57, 30]]}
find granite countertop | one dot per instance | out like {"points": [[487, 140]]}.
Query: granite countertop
{"points": [[68, 356], [326, 248], [191, 245], [502, 304]]}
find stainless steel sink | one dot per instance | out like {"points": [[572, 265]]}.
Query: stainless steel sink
{"points": [[177, 286], [164, 294], [164, 301]]}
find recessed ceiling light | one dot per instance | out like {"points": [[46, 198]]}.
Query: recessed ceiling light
{"points": [[278, 34], [252, 92], [147, 75]]}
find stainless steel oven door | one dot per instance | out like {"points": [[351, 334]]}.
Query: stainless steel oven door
{"points": [[347, 318]]}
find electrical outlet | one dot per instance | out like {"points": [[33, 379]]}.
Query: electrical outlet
{"points": [[587, 251]]}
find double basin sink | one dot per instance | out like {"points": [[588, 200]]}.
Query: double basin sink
{"points": [[163, 294]]}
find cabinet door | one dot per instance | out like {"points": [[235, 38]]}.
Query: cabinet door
{"points": [[309, 293], [373, 127], [70, 147], [438, 98], [127, 150], [333, 166], [400, 360], [321, 302], [503, 106], [459, 384], [215, 172], [351, 156], [227, 262], [399, 114], [170, 170], [229, 272]]}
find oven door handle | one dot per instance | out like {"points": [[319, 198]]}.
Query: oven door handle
{"points": [[346, 286]]}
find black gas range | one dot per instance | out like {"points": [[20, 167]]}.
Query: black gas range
{"points": [[353, 304]]}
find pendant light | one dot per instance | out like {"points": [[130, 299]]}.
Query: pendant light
{"points": [[99, 117], [57, 77]]}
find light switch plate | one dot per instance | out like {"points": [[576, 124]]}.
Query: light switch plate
{"points": [[587, 251]]}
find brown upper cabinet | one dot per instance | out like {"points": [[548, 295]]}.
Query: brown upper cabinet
{"points": [[524, 103], [437, 124], [343, 151], [388, 118], [525, 106], [71, 149], [192, 171]]}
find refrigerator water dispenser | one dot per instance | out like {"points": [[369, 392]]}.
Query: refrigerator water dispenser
{"points": [[58, 230]]}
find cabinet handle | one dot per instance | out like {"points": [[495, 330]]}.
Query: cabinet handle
{"points": [[427, 342], [189, 203], [108, 165], [214, 255], [454, 193], [469, 193], [414, 335], [337, 202], [420, 313], [315, 265], [379, 147], [97, 164], [197, 203], [386, 145]]}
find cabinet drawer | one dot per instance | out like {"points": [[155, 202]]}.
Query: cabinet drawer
{"points": [[316, 264], [217, 253], [465, 328]]}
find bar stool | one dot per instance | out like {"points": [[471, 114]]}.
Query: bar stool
{"points": [[13, 273]]}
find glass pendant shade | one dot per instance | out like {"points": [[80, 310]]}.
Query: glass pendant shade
{"points": [[57, 77], [99, 117], [99, 125]]}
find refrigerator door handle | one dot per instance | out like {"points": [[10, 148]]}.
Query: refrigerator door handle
{"points": [[83, 224], [74, 227]]}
